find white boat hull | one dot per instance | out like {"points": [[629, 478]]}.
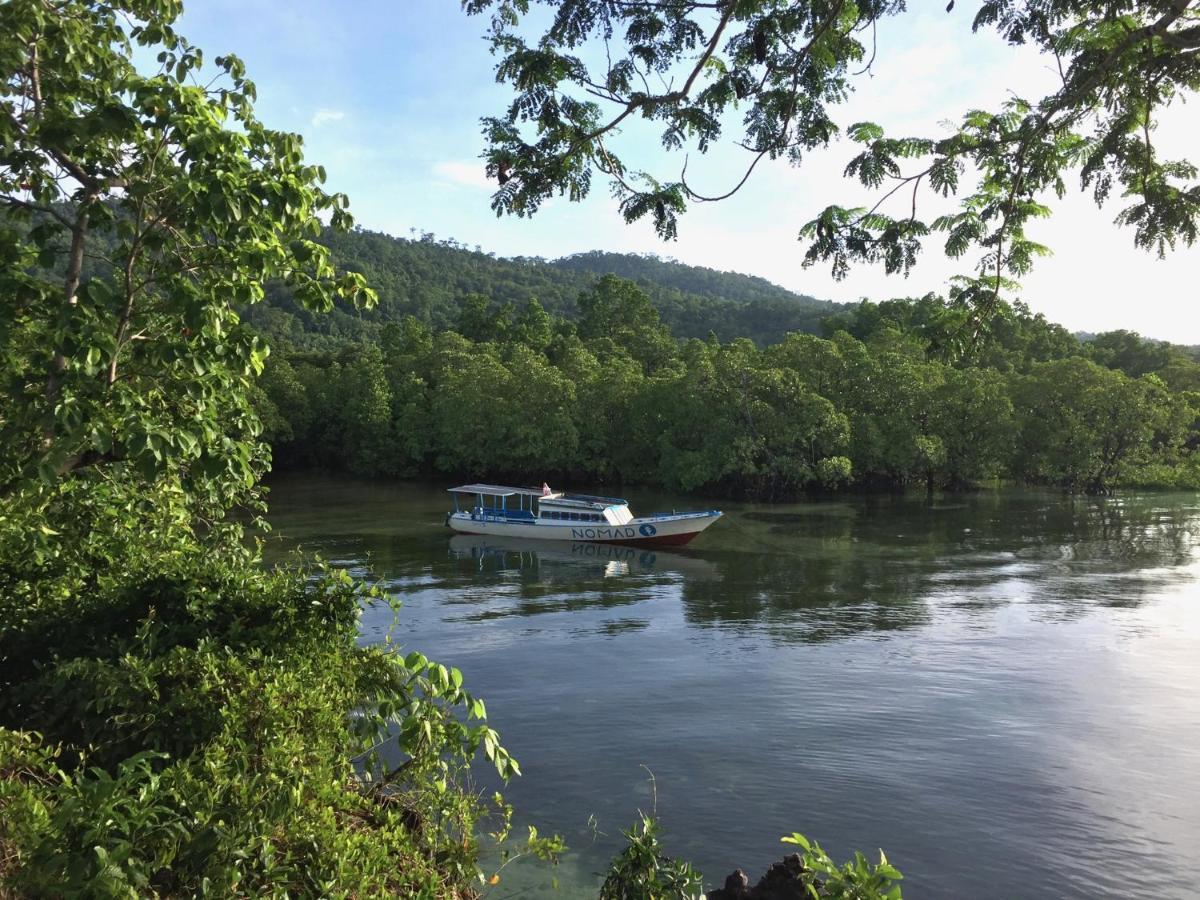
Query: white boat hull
{"points": [[648, 531]]}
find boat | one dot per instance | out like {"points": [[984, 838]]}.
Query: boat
{"points": [[544, 514]]}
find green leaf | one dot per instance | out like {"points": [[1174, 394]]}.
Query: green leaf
{"points": [[865, 132]]}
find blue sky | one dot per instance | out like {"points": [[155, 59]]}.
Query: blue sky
{"points": [[389, 96]]}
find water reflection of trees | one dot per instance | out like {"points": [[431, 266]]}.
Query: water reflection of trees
{"points": [[808, 599], [1110, 553], [890, 565], [819, 571]]}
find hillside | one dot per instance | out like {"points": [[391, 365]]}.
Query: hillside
{"points": [[699, 280], [429, 279]]}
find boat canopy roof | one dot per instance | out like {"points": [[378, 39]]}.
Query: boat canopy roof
{"points": [[557, 497], [584, 500], [497, 490]]}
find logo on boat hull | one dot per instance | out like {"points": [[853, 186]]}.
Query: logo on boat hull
{"points": [[648, 530]]}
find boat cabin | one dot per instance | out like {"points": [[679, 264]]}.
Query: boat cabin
{"points": [[492, 502]]}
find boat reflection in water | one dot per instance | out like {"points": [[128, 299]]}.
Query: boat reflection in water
{"points": [[610, 560]]}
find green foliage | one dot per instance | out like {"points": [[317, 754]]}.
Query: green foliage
{"points": [[432, 280], [854, 880], [618, 311], [1131, 354], [648, 271], [174, 719], [614, 398], [643, 872], [834, 472], [144, 361], [492, 414], [367, 413], [698, 417], [973, 418], [586, 69], [1087, 428]]}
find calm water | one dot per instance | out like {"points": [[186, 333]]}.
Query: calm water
{"points": [[1002, 690]]}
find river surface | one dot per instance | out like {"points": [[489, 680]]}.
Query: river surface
{"points": [[1000, 690]]}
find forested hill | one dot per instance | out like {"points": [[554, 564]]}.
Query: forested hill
{"points": [[698, 280], [430, 279]]}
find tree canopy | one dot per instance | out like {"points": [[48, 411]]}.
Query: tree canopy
{"points": [[175, 719], [140, 360], [614, 397], [770, 76]]}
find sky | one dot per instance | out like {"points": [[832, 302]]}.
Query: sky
{"points": [[389, 95]]}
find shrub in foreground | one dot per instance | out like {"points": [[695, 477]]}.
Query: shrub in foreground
{"points": [[187, 723], [642, 871]]}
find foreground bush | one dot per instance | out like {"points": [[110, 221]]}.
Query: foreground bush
{"points": [[182, 722], [642, 871]]}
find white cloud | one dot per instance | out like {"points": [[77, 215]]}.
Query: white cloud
{"points": [[323, 116], [467, 173]]}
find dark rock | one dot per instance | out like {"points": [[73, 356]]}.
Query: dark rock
{"points": [[783, 881], [737, 883]]}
